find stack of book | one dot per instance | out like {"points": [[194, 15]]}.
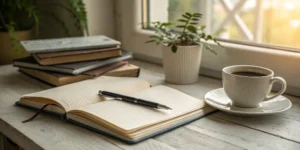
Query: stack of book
{"points": [[67, 60]]}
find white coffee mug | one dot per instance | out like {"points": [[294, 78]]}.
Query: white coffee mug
{"points": [[248, 86]]}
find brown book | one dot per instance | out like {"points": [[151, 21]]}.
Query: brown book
{"points": [[59, 79], [76, 56]]}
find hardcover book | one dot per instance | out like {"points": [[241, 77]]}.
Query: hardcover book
{"points": [[59, 79], [80, 104], [76, 56], [72, 68]]}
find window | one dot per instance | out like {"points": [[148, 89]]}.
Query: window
{"points": [[132, 33], [267, 23]]}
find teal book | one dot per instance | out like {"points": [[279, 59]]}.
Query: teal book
{"points": [[68, 44], [80, 104], [74, 68]]}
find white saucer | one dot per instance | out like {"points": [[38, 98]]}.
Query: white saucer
{"points": [[219, 100]]}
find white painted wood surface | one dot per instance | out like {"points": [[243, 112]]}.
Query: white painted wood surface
{"points": [[217, 131]]}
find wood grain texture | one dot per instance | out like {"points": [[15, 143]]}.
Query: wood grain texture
{"points": [[294, 112], [240, 135], [274, 124], [217, 131], [285, 125], [184, 138], [149, 144]]}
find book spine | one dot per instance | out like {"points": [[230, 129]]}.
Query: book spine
{"points": [[110, 61], [138, 72]]}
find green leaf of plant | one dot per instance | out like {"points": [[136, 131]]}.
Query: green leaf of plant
{"points": [[167, 24], [155, 36], [218, 43], [209, 37], [210, 49], [78, 11], [202, 27], [185, 16], [203, 35], [182, 20], [155, 23], [194, 23], [192, 29], [197, 15], [188, 14], [190, 33], [174, 48]]}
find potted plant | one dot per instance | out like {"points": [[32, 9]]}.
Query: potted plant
{"points": [[182, 49], [18, 17]]}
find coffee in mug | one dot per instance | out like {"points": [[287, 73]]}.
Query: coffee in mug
{"points": [[248, 86], [248, 74]]}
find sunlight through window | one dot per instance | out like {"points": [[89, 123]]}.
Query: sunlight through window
{"points": [[268, 22]]}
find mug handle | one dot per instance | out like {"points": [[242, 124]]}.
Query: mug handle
{"points": [[283, 87]]}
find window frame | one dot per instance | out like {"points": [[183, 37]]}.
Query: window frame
{"points": [[146, 26], [132, 35]]}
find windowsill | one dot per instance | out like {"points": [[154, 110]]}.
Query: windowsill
{"points": [[283, 63], [212, 73]]}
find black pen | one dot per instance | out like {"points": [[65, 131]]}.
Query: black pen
{"points": [[133, 100]]}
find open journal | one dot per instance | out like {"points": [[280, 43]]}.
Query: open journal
{"points": [[80, 103]]}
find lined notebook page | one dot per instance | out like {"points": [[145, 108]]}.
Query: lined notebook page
{"points": [[86, 92], [126, 116]]}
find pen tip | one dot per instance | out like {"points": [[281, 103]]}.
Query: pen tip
{"points": [[164, 107]]}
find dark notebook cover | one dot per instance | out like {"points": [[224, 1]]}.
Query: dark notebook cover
{"points": [[72, 68]]}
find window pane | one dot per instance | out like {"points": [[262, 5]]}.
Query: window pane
{"points": [[271, 22]]}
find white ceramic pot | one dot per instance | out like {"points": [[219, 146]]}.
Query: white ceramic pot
{"points": [[183, 66]]}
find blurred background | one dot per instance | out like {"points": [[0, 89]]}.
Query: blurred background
{"points": [[267, 22], [36, 19]]}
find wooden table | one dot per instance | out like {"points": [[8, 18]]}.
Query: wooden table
{"points": [[216, 131]]}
